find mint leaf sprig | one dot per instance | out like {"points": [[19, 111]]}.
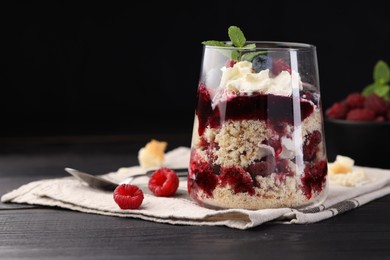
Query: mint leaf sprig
{"points": [[381, 77], [238, 40]]}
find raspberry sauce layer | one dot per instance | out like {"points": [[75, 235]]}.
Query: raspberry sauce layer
{"points": [[268, 107]]}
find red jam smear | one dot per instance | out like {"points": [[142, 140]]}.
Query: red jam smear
{"points": [[274, 109]]}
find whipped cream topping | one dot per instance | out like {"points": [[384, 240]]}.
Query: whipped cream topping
{"points": [[288, 148], [242, 78]]}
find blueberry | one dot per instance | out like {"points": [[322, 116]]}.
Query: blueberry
{"points": [[261, 62]]}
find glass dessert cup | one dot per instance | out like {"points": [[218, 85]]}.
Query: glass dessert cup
{"points": [[258, 138]]}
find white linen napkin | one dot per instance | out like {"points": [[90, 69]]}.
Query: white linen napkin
{"points": [[71, 194]]}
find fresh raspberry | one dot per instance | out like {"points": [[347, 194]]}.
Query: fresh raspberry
{"points": [[128, 196], [279, 65], [388, 115], [377, 104], [230, 63], [355, 100], [361, 114], [312, 140], [164, 182], [338, 110]]}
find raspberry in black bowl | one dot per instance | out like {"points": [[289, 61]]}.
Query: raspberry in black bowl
{"points": [[358, 126]]}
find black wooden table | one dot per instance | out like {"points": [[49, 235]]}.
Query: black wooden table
{"points": [[54, 233]]}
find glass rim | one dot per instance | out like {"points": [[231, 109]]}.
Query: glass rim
{"points": [[270, 45]]}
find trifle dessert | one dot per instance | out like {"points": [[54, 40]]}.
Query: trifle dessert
{"points": [[258, 137]]}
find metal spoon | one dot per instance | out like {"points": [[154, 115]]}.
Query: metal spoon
{"points": [[103, 184]]}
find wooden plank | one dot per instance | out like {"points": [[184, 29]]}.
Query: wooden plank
{"points": [[50, 233], [53, 233]]}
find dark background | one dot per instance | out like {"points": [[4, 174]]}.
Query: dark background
{"points": [[86, 67]]}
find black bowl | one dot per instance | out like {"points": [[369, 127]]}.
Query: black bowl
{"points": [[367, 143]]}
